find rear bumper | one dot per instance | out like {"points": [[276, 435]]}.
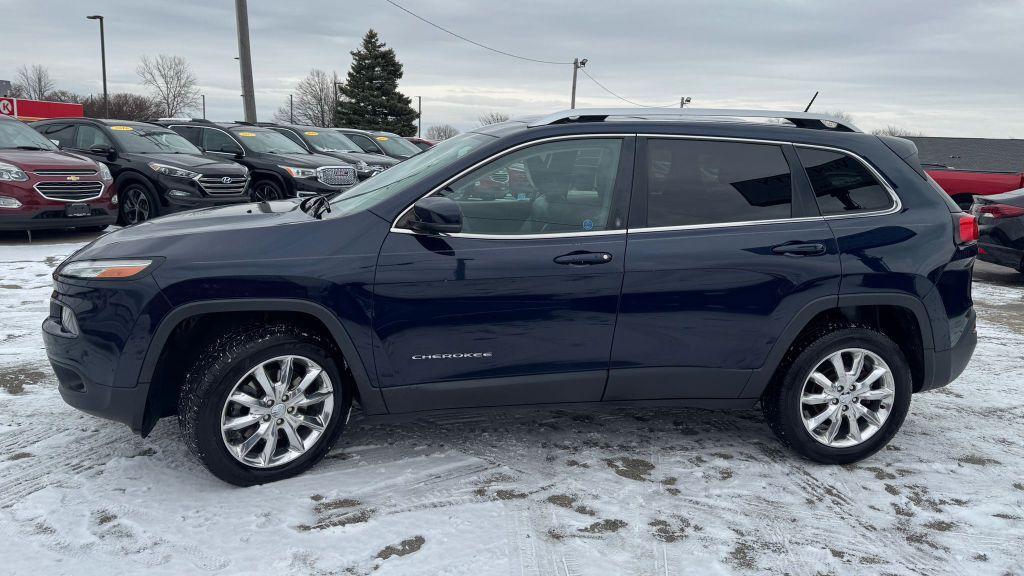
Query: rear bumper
{"points": [[1001, 255], [949, 364]]}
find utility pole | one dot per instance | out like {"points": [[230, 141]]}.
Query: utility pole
{"points": [[103, 59], [419, 116], [576, 65], [291, 110], [204, 106], [683, 101], [245, 60]]}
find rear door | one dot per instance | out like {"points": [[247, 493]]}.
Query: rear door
{"points": [[725, 247], [520, 307]]}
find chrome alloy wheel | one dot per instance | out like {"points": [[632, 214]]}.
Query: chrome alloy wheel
{"points": [[847, 398], [135, 205], [277, 411]]}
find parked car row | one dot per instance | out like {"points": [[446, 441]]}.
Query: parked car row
{"points": [[90, 173]]}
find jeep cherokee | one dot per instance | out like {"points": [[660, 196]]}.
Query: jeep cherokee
{"points": [[691, 257]]}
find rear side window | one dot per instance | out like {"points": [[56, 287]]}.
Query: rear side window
{"points": [[693, 182], [842, 184]]}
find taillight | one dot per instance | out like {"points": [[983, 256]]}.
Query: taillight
{"points": [[998, 211], [966, 229]]}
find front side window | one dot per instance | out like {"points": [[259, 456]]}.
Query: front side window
{"points": [[842, 184], [89, 136], [694, 182], [556, 187], [365, 143], [64, 134], [218, 141]]}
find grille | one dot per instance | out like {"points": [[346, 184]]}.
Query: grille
{"points": [[70, 191], [336, 175], [217, 185], [66, 172]]}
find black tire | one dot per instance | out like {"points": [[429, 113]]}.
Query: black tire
{"points": [[265, 189], [213, 375], [781, 402], [137, 202]]}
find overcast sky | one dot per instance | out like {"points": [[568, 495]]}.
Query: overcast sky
{"points": [[945, 68]]}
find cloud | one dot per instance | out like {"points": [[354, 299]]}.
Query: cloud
{"points": [[941, 67]]}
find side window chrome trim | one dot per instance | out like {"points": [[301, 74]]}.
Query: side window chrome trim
{"points": [[507, 151], [724, 224]]}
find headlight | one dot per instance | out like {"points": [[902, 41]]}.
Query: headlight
{"points": [[105, 172], [110, 269], [172, 171], [300, 172], [11, 173]]}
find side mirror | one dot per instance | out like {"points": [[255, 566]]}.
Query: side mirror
{"points": [[436, 215], [104, 150]]}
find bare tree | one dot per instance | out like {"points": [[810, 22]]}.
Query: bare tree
{"points": [[493, 118], [123, 106], [441, 132], [893, 130], [34, 82], [313, 101], [171, 81], [64, 96], [840, 115]]}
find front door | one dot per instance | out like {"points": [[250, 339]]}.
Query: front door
{"points": [[726, 246], [519, 307]]}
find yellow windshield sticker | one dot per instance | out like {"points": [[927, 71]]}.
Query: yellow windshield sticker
{"points": [[382, 138], [311, 133], [246, 134], [122, 128]]}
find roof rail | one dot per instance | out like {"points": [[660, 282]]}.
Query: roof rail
{"points": [[184, 119], [799, 119]]}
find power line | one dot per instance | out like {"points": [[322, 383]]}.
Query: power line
{"points": [[605, 88], [461, 37]]}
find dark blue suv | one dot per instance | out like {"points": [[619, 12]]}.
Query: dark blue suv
{"points": [[688, 257]]}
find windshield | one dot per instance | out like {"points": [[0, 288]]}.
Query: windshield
{"points": [[404, 174], [395, 145], [267, 142], [14, 134], [330, 141], [143, 140]]}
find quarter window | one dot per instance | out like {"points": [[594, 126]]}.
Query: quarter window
{"points": [[694, 182], [556, 187], [842, 184]]}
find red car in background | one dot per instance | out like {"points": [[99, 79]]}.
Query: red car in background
{"points": [[43, 187], [422, 143], [964, 185]]}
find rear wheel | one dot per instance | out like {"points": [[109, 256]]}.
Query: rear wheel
{"points": [[138, 203], [263, 403], [841, 398]]}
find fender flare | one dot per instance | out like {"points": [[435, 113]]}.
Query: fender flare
{"points": [[761, 377], [370, 397]]}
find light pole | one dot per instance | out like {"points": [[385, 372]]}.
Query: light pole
{"points": [[245, 60], [683, 101], [576, 65], [419, 117], [103, 59]]}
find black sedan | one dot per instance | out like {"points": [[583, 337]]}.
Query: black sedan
{"points": [[1001, 228]]}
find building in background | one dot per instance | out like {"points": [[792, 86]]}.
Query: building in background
{"points": [[29, 110]]}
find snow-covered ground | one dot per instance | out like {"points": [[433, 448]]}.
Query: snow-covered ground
{"points": [[550, 492]]}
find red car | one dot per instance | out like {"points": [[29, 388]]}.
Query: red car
{"points": [[422, 143], [963, 185], [44, 187]]}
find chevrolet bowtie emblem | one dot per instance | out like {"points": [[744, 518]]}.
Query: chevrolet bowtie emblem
{"points": [[74, 178]]}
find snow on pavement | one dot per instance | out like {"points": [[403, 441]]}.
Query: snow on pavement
{"points": [[543, 492]]}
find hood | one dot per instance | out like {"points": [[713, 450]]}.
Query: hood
{"points": [[192, 162], [354, 158], [305, 160], [29, 160]]}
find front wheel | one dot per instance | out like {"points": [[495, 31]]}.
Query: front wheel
{"points": [[138, 203], [841, 398], [265, 190], [263, 403]]}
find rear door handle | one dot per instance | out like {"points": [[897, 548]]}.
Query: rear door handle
{"points": [[800, 249], [582, 258]]}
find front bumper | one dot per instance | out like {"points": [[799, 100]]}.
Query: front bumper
{"points": [[305, 187], [98, 369], [53, 218], [190, 202]]}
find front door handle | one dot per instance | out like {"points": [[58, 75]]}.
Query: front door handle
{"points": [[800, 249], [583, 258]]}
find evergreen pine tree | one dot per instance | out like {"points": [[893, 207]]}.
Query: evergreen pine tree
{"points": [[370, 99]]}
